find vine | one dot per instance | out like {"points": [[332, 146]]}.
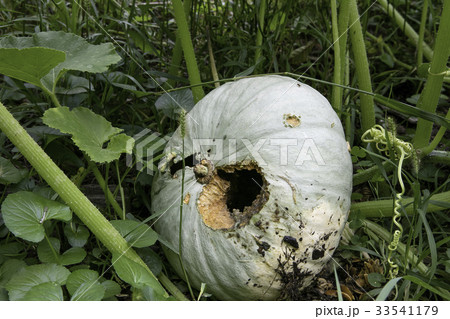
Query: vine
{"points": [[386, 141]]}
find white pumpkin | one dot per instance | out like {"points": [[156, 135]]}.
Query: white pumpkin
{"points": [[267, 188]]}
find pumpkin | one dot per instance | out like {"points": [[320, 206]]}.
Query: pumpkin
{"points": [[266, 190]]}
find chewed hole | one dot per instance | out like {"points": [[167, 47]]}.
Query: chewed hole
{"points": [[245, 185], [232, 196], [188, 162]]}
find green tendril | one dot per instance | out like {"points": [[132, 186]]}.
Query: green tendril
{"points": [[387, 142]]}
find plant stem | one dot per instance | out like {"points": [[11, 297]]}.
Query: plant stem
{"points": [[361, 68], [67, 190], [171, 288], [384, 208], [259, 30], [420, 41], [109, 196], [430, 95], [188, 49], [177, 52], [382, 233], [412, 36], [212, 62], [336, 98]]}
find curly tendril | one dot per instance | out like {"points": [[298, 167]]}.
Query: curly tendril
{"points": [[385, 141]]}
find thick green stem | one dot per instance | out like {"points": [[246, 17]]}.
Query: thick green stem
{"points": [[361, 68], [336, 97], [423, 21], [67, 190], [188, 49], [384, 208], [259, 30], [344, 72], [437, 138], [177, 52], [172, 288], [430, 95], [412, 36]]}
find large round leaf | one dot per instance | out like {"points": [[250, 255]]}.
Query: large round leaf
{"points": [[33, 276], [25, 212]]}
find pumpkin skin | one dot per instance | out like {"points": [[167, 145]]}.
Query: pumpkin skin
{"points": [[239, 238]]}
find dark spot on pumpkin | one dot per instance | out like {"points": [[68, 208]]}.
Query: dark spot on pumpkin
{"points": [[291, 241], [317, 253], [326, 236]]}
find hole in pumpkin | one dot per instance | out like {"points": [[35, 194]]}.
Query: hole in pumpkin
{"points": [[233, 195], [245, 185], [188, 162]]}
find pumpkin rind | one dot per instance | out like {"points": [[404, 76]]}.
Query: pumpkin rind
{"points": [[306, 172]]}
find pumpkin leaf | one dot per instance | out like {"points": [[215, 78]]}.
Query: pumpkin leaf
{"points": [[135, 233], [151, 259], [29, 64], [79, 277], [49, 254], [25, 212], [171, 103], [31, 276], [89, 291], [11, 250], [47, 291], [80, 55], [9, 268], [9, 174], [112, 288], [136, 275], [77, 235], [90, 132]]}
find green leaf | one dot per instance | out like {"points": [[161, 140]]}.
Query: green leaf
{"points": [[46, 254], [136, 275], [375, 279], [80, 55], [89, 291], [83, 284], [9, 174], [25, 212], [136, 234], [77, 235], [79, 277], [112, 288], [151, 259], [172, 102], [11, 250], [385, 292], [47, 291], [9, 268], [31, 276], [29, 64], [90, 132]]}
